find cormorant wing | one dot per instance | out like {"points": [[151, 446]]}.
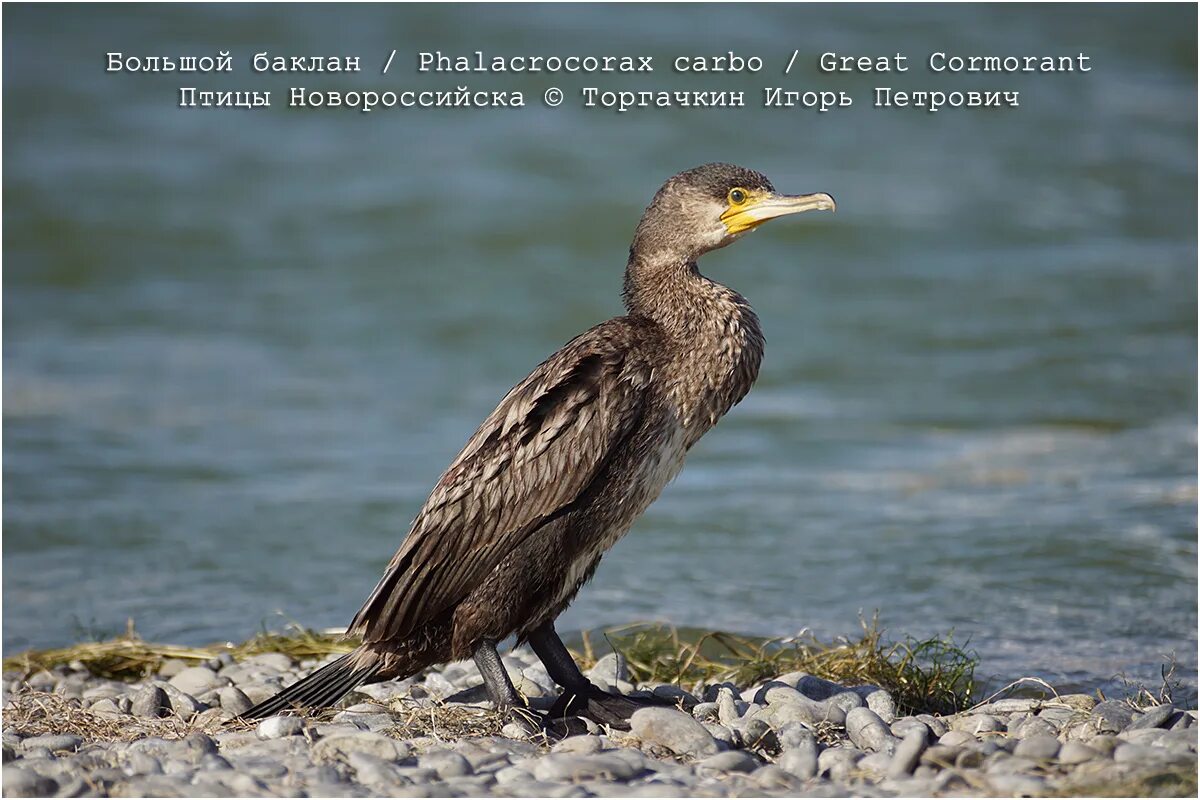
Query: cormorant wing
{"points": [[529, 461]]}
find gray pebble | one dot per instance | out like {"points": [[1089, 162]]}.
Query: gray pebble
{"points": [[279, 727], [908, 752], [1039, 747], [846, 701], [341, 746], [446, 763], [882, 703], [800, 761], [727, 707], [1077, 753], [868, 731], [1127, 752], [21, 782], [1112, 716], [817, 688], [1017, 785], [195, 680], [674, 730], [906, 725], [580, 745], [838, 762], [569, 767], [731, 761], [1153, 717], [612, 668], [233, 700], [956, 739], [53, 742], [936, 725], [151, 703], [721, 733], [1035, 726]]}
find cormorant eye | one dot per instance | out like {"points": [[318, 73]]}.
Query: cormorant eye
{"points": [[737, 196]]}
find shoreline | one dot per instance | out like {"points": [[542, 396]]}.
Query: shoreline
{"points": [[70, 732]]}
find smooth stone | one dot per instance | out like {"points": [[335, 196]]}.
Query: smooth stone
{"points": [[1153, 718], [21, 782], [1183, 739], [883, 704], [1127, 752], [612, 668], [875, 765], [1079, 702], [195, 680], [446, 763], [1017, 785], [583, 745], [941, 755], [727, 707], [757, 735], [838, 762], [568, 767], [1059, 717], [817, 688], [976, 724], [183, 705], [276, 662], [731, 761], [1112, 716], [1035, 726], [772, 776], [721, 733], [1038, 747], [233, 700], [279, 727], [171, 667], [908, 753], [1077, 753], [868, 732], [800, 761], [969, 759], [1010, 705], [341, 746], [678, 732], [956, 739], [936, 725], [705, 711], [53, 742], [906, 725], [1141, 736], [846, 701], [151, 703]]}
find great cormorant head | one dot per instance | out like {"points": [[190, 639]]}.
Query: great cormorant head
{"points": [[710, 206]]}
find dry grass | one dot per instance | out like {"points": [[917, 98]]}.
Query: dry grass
{"points": [[925, 676], [129, 657], [33, 713]]}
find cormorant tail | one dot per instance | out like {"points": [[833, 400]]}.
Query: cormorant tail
{"points": [[320, 689]]}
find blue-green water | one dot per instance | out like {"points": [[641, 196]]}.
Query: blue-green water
{"points": [[239, 346]]}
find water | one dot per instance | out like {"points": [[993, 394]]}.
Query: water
{"points": [[239, 347]]}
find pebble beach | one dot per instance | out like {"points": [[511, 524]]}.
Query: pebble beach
{"points": [[68, 733]]}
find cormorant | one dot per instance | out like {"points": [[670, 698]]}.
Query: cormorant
{"points": [[571, 456]]}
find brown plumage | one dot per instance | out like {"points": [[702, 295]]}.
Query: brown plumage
{"points": [[571, 456]]}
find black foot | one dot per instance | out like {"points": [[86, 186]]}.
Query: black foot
{"points": [[613, 710], [552, 727]]}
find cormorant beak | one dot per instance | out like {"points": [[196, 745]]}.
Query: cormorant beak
{"points": [[759, 208]]}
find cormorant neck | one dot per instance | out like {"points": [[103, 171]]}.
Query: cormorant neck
{"points": [[668, 288]]}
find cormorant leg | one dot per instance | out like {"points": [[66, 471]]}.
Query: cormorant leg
{"points": [[559, 665], [580, 696], [499, 687]]}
